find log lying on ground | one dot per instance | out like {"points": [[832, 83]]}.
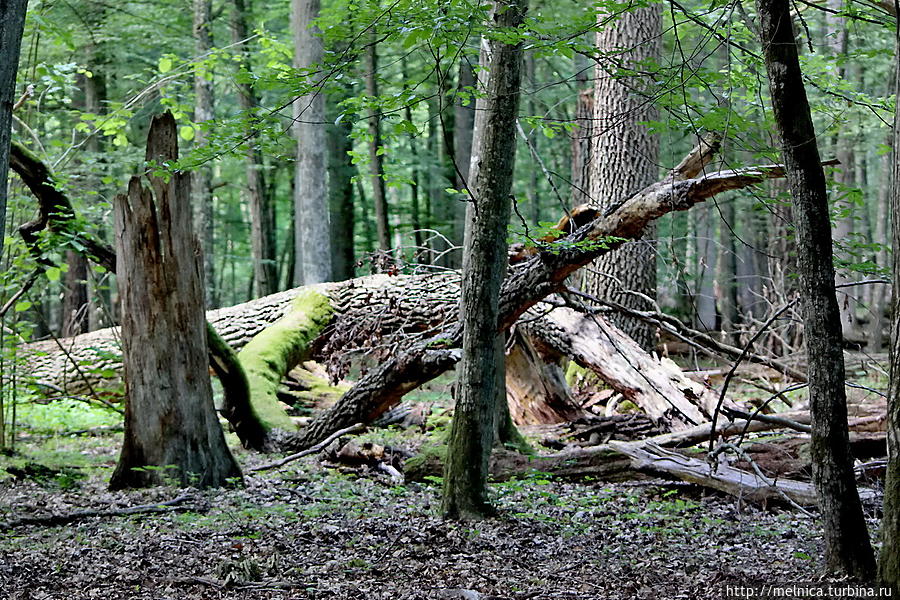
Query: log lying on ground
{"points": [[620, 461], [545, 273]]}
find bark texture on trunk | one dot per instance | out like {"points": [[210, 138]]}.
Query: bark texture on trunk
{"points": [[311, 230], [626, 158], [170, 421], [889, 563], [421, 308], [484, 267], [12, 22], [75, 296], [847, 547]]}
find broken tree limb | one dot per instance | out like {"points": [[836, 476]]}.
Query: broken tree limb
{"points": [[355, 428], [656, 385], [174, 505], [534, 279], [676, 327], [619, 461]]}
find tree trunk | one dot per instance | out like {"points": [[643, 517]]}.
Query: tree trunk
{"points": [[485, 260], [262, 225], [705, 292], [340, 195], [202, 179], [12, 22], [312, 231], [169, 415], [376, 168], [847, 547], [626, 158], [889, 564], [75, 296]]}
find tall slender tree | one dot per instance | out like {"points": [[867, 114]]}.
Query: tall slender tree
{"points": [[847, 547], [376, 149], [626, 156], [491, 172], [262, 218], [889, 563], [311, 228], [202, 179]]}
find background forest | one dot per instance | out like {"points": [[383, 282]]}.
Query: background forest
{"points": [[358, 142]]}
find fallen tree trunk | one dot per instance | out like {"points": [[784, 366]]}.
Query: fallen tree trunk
{"points": [[620, 461], [656, 385], [409, 365]]}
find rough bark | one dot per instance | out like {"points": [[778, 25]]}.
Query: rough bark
{"points": [[484, 267], [262, 223], [582, 145], [311, 230], [169, 415], [847, 547], [889, 563], [202, 178], [626, 157], [12, 22]]}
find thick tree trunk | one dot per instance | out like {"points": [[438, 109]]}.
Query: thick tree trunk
{"points": [[202, 178], [847, 547], [626, 158], [262, 221], [889, 563], [169, 415], [12, 22], [484, 266], [312, 245]]}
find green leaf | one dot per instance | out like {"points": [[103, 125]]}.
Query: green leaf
{"points": [[22, 306], [186, 132], [53, 273], [165, 64]]}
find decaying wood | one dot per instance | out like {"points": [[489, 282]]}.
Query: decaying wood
{"points": [[536, 388], [618, 461], [656, 385], [356, 428], [174, 505], [705, 341]]}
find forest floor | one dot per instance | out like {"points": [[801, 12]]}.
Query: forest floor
{"points": [[308, 531]]}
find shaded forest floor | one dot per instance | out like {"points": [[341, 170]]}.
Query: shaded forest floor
{"points": [[311, 532]]}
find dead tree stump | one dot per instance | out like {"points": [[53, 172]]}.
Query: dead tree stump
{"points": [[171, 428]]}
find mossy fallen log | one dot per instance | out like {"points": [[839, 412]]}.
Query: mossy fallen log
{"points": [[277, 349]]}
